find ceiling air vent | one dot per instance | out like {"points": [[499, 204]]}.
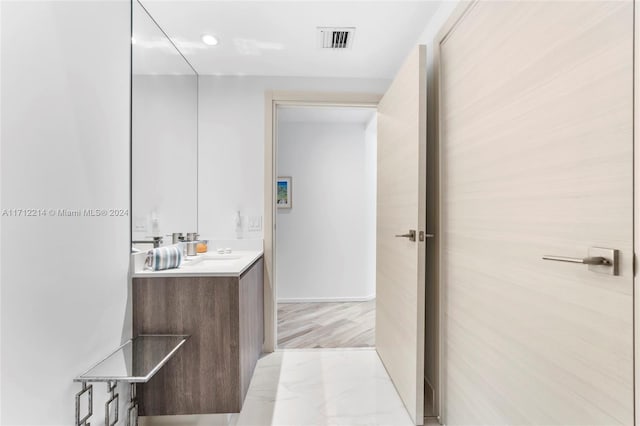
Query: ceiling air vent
{"points": [[336, 38]]}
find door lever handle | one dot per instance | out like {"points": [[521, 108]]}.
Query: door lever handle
{"points": [[599, 259], [596, 260], [411, 235]]}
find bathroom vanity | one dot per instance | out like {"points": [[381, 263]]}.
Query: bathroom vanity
{"points": [[218, 300]]}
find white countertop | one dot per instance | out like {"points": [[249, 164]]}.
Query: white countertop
{"points": [[210, 264]]}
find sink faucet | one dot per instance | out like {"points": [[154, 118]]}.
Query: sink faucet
{"points": [[176, 237], [156, 241]]}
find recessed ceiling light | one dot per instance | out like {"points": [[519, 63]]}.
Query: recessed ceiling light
{"points": [[209, 40]]}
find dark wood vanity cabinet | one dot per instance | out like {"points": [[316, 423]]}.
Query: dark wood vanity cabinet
{"points": [[224, 316]]}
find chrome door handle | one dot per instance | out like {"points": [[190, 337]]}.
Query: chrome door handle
{"points": [[411, 235], [601, 260], [598, 260]]}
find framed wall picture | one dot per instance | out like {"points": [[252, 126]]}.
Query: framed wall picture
{"points": [[283, 192]]}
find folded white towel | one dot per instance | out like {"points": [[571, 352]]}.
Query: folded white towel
{"points": [[162, 258]]}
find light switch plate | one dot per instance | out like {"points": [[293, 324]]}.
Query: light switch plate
{"points": [[255, 224]]}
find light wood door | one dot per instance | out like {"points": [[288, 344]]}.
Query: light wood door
{"points": [[536, 122], [400, 271]]}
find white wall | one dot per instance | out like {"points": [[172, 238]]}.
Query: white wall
{"points": [[231, 144], [64, 144], [323, 244], [371, 197], [165, 154]]}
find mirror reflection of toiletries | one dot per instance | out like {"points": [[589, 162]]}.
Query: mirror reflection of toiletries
{"points": [[164, 135]]}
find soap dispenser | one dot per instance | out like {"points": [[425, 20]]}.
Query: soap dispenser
{"points": [[155, 224]]}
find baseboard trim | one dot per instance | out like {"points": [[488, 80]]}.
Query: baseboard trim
{"points": [[328, 299]]}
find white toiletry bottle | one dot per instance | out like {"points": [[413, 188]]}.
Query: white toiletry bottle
{"points": [[155, 225], [238, 221]]}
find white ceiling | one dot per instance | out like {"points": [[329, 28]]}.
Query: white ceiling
{"points": [[317, 114], [279, 38]]}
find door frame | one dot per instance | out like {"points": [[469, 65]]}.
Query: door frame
{"points": [[456, 15], [273, 99], [450, 23], [636, 207]]}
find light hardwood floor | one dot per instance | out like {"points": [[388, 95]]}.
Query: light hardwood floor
{"points": [[326, 325]]}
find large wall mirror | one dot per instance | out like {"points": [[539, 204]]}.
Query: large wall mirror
{"points": [[164, 135]]}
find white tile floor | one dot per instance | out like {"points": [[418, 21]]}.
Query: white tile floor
{"points": [[300, 387]]}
